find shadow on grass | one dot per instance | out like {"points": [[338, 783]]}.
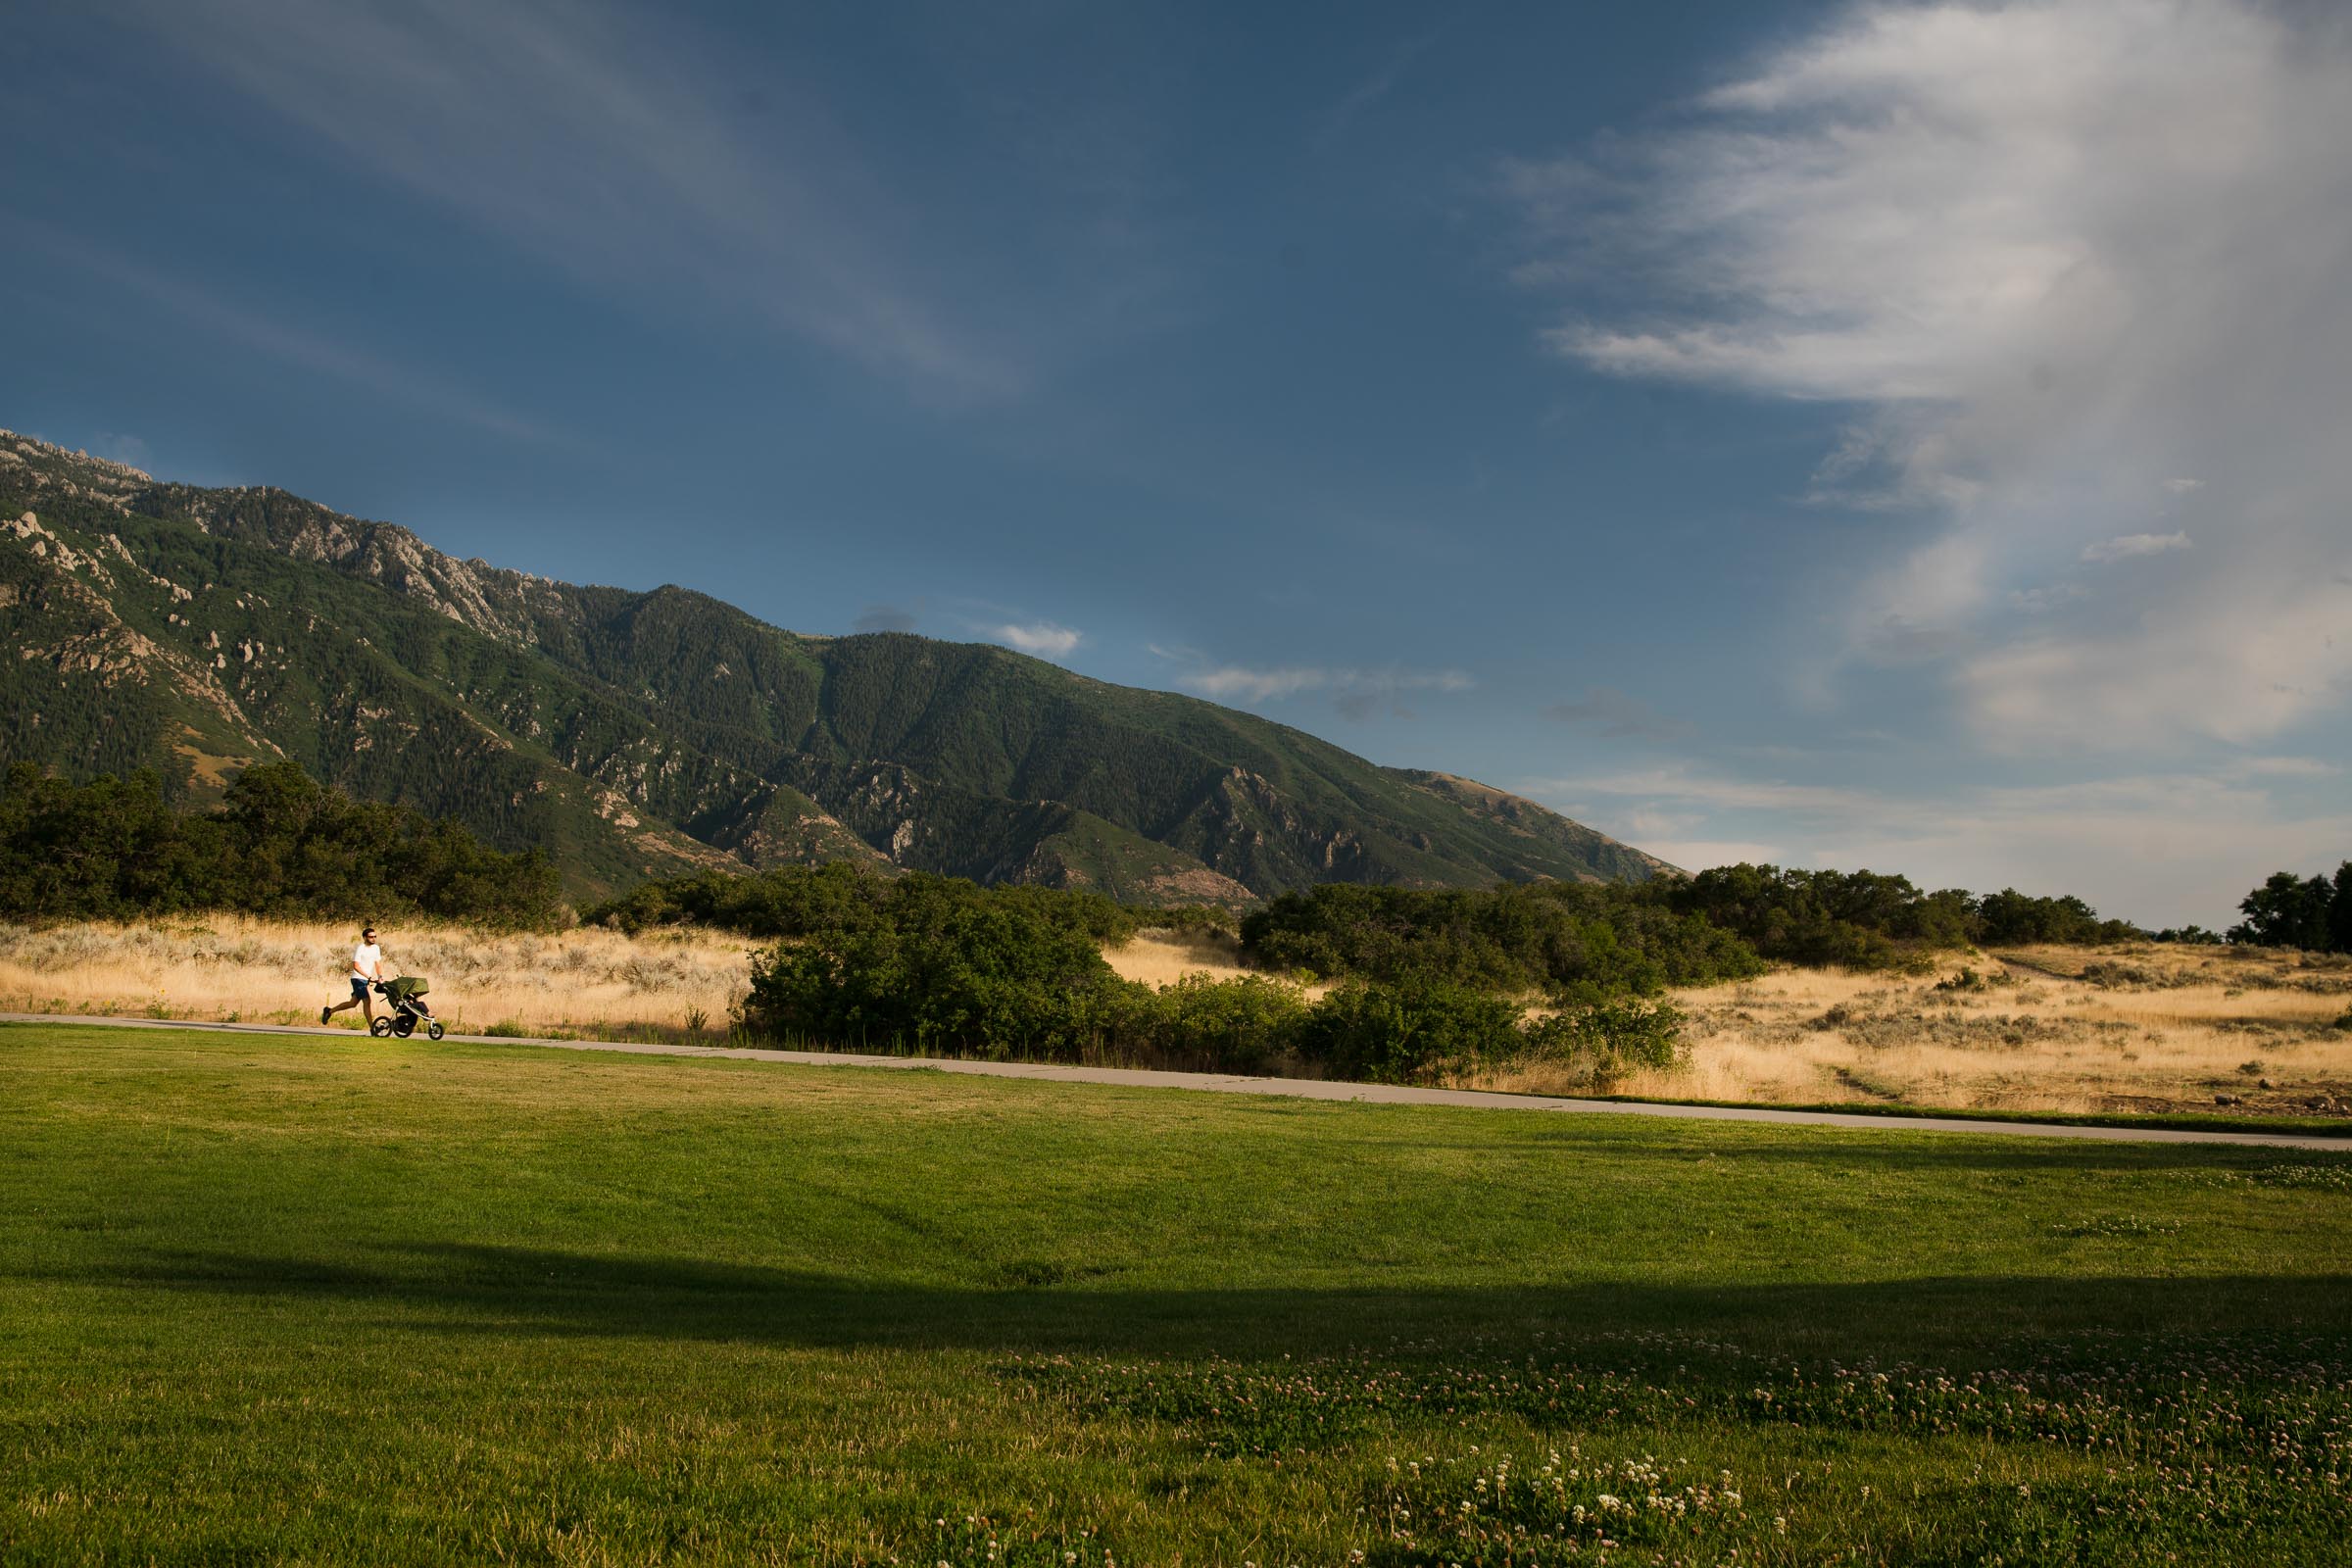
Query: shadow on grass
{"points": [[522, 1291]]}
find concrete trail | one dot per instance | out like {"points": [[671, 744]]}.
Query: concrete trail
{"points": [[1288, 1088]]}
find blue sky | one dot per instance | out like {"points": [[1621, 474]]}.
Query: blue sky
{"points": [[1892, 435]]}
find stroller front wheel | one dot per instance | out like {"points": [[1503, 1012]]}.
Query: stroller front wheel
{"points": [[433, 1031], [379, 1027]]}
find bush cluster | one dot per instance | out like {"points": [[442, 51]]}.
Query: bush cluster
{"points": [[278, 843], [930, 968]]}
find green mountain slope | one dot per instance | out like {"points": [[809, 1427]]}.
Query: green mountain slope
{"points": [[635, 733]]}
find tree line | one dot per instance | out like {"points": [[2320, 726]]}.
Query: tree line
{"points": [[2313, 912], [1597, 938], [278, 843]]}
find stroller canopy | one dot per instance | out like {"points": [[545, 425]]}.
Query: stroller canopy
{"points": [[407, 986]]}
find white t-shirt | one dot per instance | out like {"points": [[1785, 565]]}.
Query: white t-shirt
{"points": [[363, 959]]}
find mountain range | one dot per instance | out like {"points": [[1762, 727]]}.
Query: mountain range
{"points": [[634, 734]]}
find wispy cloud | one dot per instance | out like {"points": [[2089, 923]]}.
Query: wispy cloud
{"points": [[2047, 598], [274, 334], [2055, 251], [1712, 791], [1227, 682], [1375, 85], [2282, 768], [1356, 694], [616, 147], [2126, 546], [1615, 714], [1043, 638], [116, 447]]}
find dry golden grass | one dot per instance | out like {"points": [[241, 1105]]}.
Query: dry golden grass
{"points": [[2137, 1027], [222, 966], [1161, 961]]}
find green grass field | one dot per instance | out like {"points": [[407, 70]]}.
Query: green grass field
{"points": [[310, 1300]]}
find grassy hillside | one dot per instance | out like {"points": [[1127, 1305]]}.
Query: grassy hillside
{"points": [[338, 1300], [636, 733]]}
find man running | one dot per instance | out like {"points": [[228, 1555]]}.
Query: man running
{"points": [[366, 968]]}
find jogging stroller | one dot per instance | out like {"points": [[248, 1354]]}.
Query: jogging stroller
{"points": [[407, 997]]}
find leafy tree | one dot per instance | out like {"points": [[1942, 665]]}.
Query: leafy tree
{"points": [[2289, 912]]}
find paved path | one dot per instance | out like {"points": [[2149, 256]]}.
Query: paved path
{"points": [[1291, 1087]]}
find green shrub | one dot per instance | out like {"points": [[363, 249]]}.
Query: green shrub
{"points": [[1243, 1025], [1410, 1031], [937, 969], [1604, 1040]]}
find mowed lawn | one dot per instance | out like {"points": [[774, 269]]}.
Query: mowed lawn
{"points": [[312, 1300]]}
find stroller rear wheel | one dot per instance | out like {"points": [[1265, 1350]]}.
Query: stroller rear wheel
{"points": [[379, 1027], [433, 1031], [404, 1026]]}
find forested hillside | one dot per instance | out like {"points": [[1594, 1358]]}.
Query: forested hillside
{"points": [[631, 734]]}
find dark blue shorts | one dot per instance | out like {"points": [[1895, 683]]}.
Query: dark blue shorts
{"points": [[359, 989]]}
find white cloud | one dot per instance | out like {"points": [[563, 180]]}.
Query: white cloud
{"points": [[2245, 672], [2126, 546], [1043, 638], [2054, 250]]}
